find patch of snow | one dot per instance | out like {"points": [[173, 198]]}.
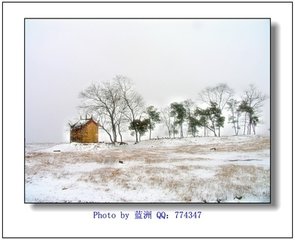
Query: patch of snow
{"points": [[82, 167], [33, 147], [166, 142], [164, 174], [75, 147]]}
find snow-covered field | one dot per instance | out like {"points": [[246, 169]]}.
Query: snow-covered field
{"points": [[202, 169]]}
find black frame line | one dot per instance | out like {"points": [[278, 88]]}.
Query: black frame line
{"points": [[122, 2], [136, 203], [154, 18], [24, 107], [2, 124], [292, 129], [148, 2]]}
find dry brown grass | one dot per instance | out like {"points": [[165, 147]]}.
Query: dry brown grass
{"points": [[243, 180], [247, 146], [172, 170], [101, 175]]}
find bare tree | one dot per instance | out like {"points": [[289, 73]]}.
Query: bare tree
{"points": [[234, 117], [104, 124], [122, 123], [252, 102], [103, 100], [178, 112], [115, 104], [254, 97], [218, 95], [210, 118], [133, 103], [153, 117], [192, 122], [166, 119]]}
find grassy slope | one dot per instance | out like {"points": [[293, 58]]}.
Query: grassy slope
{"points": [[186, 170]]}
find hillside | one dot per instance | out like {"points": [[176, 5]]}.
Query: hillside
{"points": [[203, 169]]}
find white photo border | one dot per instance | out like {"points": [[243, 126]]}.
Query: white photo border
{"points": [[23, 220]]}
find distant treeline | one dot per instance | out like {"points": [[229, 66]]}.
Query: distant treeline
{"points": [[119, 108]]}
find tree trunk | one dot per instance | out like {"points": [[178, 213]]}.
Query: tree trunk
{"points": [[114, 132], [181, 131], [110, 136], [238, 127], [235, 129], [150, 137], [136, 136], [250, 123], [245, 123], [120, 134], [169, 130]]}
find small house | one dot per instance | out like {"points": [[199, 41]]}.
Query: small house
{"points": [[85, 131]]}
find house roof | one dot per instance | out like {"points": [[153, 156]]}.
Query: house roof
{"points": [[81, 123]]}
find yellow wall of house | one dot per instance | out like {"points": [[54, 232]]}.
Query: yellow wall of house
{"points": [[90, 133], [87, 134]]}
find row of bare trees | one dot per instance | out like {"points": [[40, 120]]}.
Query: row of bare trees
{"points": [[119, 108], [113, 104], [243, 113]]}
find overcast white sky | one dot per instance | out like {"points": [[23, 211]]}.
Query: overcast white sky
{"points": [[168, 60]]}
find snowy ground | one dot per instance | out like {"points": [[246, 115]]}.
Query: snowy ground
{"points": [[203, 169]]}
